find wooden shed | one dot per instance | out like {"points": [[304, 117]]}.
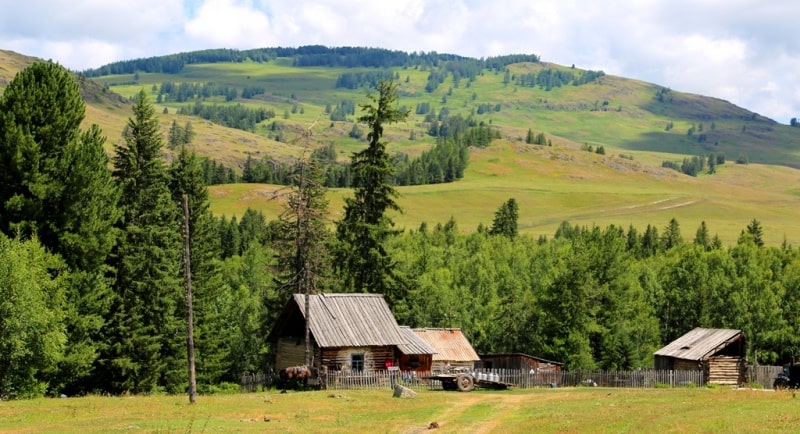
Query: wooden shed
{"points": [[349, 332], [518, 361], [719, 353], [451, 347]]}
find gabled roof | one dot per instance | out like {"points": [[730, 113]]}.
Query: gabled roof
{"points": [[450, 344], [414, 344], [699, 344], [350, 320]]}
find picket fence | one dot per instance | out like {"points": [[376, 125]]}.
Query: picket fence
{"points": [[643, 378]]}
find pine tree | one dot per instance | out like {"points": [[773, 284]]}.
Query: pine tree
{"points": [[755, 231], [145, 337], [55, 183], [505, 219], [703, 238], [362, 260], [672, 235]]}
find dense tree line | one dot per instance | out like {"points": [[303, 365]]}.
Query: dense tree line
{"points": [[550, 78], [234, 116], [354, 80], [183, 91], [306, 56]]}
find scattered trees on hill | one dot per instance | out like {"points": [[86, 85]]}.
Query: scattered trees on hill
{"points": [[695, 165]]}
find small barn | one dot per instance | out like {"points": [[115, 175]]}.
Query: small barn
{"points": [[415, 354], [451, 347], [719, 353], [518, 361], [349, 332]]}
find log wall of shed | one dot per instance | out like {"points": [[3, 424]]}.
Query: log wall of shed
{"points": [[375, 358], [292, 352], [725, 370]]}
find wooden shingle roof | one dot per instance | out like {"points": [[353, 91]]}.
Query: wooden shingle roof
{"points": [[414, 344], [450, 344], [699, 344], [351, 320]]}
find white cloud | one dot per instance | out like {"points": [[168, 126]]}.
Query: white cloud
{"points": [[741, 50]]}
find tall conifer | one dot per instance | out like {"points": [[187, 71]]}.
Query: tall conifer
{"points": [[146, 350], [363, 262]]}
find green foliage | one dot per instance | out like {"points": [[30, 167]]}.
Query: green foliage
{"points": [[55, 184], [32, 328]]}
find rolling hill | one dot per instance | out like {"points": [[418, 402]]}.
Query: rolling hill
{"points": [[637, 125]]}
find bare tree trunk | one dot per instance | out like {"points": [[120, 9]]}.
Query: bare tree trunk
{"points": [[189, 314]]}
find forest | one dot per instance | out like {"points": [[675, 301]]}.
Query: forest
{"points": [[92, 263]]}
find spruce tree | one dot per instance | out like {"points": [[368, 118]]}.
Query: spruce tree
{"points": [[145, 338], [362, 261], [505, 220], [55, 183]]}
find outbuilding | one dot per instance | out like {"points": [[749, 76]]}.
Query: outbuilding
{"points": [[348, 332], [518, 361], [719, 353], [453, 350]]}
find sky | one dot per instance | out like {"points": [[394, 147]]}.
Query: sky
{"points": [[743, 51]]}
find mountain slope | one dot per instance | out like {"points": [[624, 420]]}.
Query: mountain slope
{"points": [[638, 125]]}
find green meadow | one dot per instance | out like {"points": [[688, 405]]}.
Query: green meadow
{"points": [[568, 410]]}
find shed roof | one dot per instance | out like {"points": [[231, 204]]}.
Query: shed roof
{"points": [[414, 343], [699, 344], [450, 344], [522, 355], [351, 320]]}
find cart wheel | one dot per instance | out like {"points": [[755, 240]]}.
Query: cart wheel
{"points": [[464, 382]]}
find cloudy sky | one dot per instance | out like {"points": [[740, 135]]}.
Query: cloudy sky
{"points": [[743, 51]]}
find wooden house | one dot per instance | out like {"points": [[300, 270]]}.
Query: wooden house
{"points": [[518, 361], [349, 332], [719, 353], [451, 346]]}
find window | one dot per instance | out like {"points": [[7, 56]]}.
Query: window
{"points": [[357, 362]]}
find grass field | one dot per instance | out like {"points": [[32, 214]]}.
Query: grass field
{"points": [[556, 184], [567, 410]]}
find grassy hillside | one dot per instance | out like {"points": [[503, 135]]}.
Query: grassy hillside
{"points": [[638, 124]]}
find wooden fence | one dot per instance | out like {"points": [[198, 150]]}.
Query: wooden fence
{"points": [[763, 375], [521, 379], [257, 382], [645, 378]]}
